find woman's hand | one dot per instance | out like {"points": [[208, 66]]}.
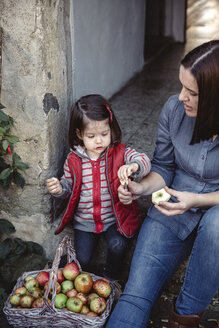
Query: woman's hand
{"points": [[186, 200], [54, 186], [127, 195], [126, 170]]}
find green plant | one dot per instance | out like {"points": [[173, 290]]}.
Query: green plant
{"points": [[10, 162], [12, 252]]}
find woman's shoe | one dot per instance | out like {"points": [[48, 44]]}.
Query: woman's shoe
{"points": [[183, 321]]}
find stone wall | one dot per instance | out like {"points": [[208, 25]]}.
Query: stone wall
{"points": [[36, 90]]}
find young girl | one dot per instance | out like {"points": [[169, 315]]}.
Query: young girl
{"points": [[93, 170]]}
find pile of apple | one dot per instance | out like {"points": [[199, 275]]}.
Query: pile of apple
{"points": [[75, 291]]}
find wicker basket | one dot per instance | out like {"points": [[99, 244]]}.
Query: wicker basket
{"points": [[48, 316]]}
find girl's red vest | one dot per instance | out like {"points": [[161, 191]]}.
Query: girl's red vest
{"points": [[127, 216]]}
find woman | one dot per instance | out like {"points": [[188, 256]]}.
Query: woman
{"points": [[186, 159]]}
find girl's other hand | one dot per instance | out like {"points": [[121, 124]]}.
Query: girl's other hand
{"points": [[54, 186], [185, 202], [126, 170]]}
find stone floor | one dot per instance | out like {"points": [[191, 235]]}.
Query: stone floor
{"points": [[138, 105]]}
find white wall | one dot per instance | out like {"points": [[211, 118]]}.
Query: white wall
{"points": [[175, 19], [108, 47]]}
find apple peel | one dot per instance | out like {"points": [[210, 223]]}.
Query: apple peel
{"points": [[160, 196]]}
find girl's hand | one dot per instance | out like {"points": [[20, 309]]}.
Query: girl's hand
{"points": [[134, 191], [185, 202], [126, 170], [54, 186]]}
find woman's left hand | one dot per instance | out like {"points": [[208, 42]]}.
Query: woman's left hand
{"points": [[186, 200]]}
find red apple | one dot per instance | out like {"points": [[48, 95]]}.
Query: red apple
{"points": [[102, 288], [98, 305], [42, 277], [58, 288], [38, 303], [92, 314], [26, 301], [83, 283], [74, 304], [71, 293], [71, 271], [60, 276], [82, 297]]}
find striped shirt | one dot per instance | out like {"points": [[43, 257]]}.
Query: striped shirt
{"points": [[94, 205]]}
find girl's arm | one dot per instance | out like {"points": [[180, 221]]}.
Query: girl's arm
{"points": [[136, 164], [63, 187]]}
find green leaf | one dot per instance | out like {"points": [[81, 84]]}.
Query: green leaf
{"points": [[12, 139], [16, 158], [34, 247], [19, 180], [6, 182], [2, 131], [20, 246], [5, 144], [21, 166], [6, 226], [5, 248], [3, 116], [5, 173]]}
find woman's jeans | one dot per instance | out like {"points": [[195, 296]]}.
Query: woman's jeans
{"points": [[85, 243], [157, 255]]}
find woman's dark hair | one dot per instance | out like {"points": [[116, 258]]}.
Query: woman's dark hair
{"points": [[203, 63], [96, 108]]}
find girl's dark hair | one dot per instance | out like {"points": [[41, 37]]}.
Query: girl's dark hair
{"points": [[203, 63], [96, 108]]}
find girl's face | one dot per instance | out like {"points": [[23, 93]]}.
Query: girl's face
{"points": [[96, 137], [189, 92]]}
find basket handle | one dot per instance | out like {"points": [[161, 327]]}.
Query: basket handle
{"points": [[71, 256]]}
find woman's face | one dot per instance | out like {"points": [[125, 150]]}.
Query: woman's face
{"points": [[189, 92]]}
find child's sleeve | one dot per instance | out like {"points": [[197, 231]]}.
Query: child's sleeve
{"points": [[66, 182], [132, 156]]}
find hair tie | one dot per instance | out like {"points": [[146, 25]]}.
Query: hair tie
{"points": [[110, 113]]}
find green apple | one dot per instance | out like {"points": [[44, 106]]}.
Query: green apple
{"points": [[31, 283], [15, 300], [98, 305], [74, 304], [67, 285], [160, 196], [60, 301]]}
